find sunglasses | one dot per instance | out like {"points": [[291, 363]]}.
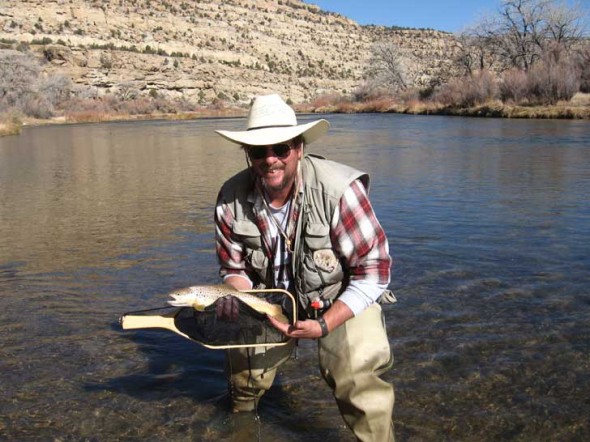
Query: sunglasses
{"points": [[278, 150]]}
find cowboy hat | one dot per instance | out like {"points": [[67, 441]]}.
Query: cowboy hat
{"points": [[272, 121]]}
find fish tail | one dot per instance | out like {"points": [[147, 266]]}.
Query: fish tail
{"points": [[273, 310]]}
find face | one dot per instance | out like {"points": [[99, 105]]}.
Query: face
{"points": [[277, 166]]}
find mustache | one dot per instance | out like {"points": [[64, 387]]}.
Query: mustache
{"points": [[271, 168]]}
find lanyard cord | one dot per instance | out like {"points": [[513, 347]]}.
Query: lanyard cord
{"points": [[287, 222], [288, 230], [282, 247]]}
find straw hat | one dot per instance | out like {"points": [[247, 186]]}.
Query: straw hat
{"points": [[273, 121]]}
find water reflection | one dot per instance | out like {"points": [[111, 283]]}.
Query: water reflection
{"points": [[95, 189], [488, 223]]}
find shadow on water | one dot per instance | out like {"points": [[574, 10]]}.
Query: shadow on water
{"points": [[176, 368]]}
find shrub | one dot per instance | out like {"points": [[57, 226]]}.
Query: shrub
{"points": [[21, 87], [370, 90], [23, 46], [56, 89], [127, 91], [43, 41], [583, 66], [37, 106], [326, 100], [513, 86], [10, 123], [468, 91], [139, 106], [553, 79], [105, 61], [382, 104]]}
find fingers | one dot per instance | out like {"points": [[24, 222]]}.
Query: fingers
{"points": [[281, 326], [228, 309], [309, 329]]}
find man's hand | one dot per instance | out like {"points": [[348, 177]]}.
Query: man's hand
{"points": [[309, 328], [227, 308], [336, 315]]}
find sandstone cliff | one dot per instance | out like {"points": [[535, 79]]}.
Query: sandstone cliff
{"points": [[201, 50]]}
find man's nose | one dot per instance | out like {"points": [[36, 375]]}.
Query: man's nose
{"points": [[269, 152]]}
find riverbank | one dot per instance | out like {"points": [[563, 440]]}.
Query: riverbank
{"points": [[10, 127], [577, 108], [15, 125]]}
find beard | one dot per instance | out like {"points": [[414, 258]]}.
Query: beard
{"points": [[285, 183]]}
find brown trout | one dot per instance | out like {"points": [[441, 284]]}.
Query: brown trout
{"points": [[201, 296]]}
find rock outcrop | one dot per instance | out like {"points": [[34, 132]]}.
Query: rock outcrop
{"points": [[202, 50]]}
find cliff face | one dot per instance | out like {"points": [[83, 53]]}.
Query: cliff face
{"points": [[203, 49]]}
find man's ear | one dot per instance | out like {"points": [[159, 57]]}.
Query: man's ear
{"points": [[300, 148], [300, 151]]}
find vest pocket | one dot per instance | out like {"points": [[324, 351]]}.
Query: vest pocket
{"points": [[252, 239], [320, 266], [258, 260], [317, 236], [249, 233]]}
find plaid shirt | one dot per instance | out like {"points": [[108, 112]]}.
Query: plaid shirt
{"points": [[357, 239]]}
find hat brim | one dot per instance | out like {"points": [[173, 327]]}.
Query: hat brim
{"points": [[273, 135]]}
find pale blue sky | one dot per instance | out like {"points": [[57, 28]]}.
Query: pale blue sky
{"points": [[442, 15]]}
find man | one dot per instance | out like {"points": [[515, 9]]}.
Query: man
{"points": [[305, 224]]}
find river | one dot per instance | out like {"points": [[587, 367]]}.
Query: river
{"points": [[488, 222]]}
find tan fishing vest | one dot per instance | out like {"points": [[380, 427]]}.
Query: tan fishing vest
{"points": [[316, 269]]}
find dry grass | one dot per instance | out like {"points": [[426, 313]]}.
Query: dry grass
{"points": [[98, 110], [580, 99], [88, 116], [386, 104], [577, 108], [10, 125]]}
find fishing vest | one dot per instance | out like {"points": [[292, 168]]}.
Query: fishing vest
{"points": [[317, 271]]}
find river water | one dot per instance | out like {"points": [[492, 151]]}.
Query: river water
{"points": [[489, 226]]}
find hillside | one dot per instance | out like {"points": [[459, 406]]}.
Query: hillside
{"points": [[201, 50]]}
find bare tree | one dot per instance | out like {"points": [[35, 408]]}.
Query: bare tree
{"points": [[56, 88], [386, 67], [554, 78], [18, 77], [519, 31], [583, 61], [127, 90], [565, 25], [476, 52], [523, 30], [22, 87]]}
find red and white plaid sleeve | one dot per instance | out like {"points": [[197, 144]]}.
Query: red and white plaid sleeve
{"points": [[358, 238], [230, 253]]}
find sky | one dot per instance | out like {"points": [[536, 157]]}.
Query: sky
{"points": [[442, 15]]}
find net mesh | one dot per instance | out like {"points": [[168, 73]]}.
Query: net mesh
{"points": [[250, 328]]}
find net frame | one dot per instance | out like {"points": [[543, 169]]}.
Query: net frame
{"points": [[172, 319]]}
